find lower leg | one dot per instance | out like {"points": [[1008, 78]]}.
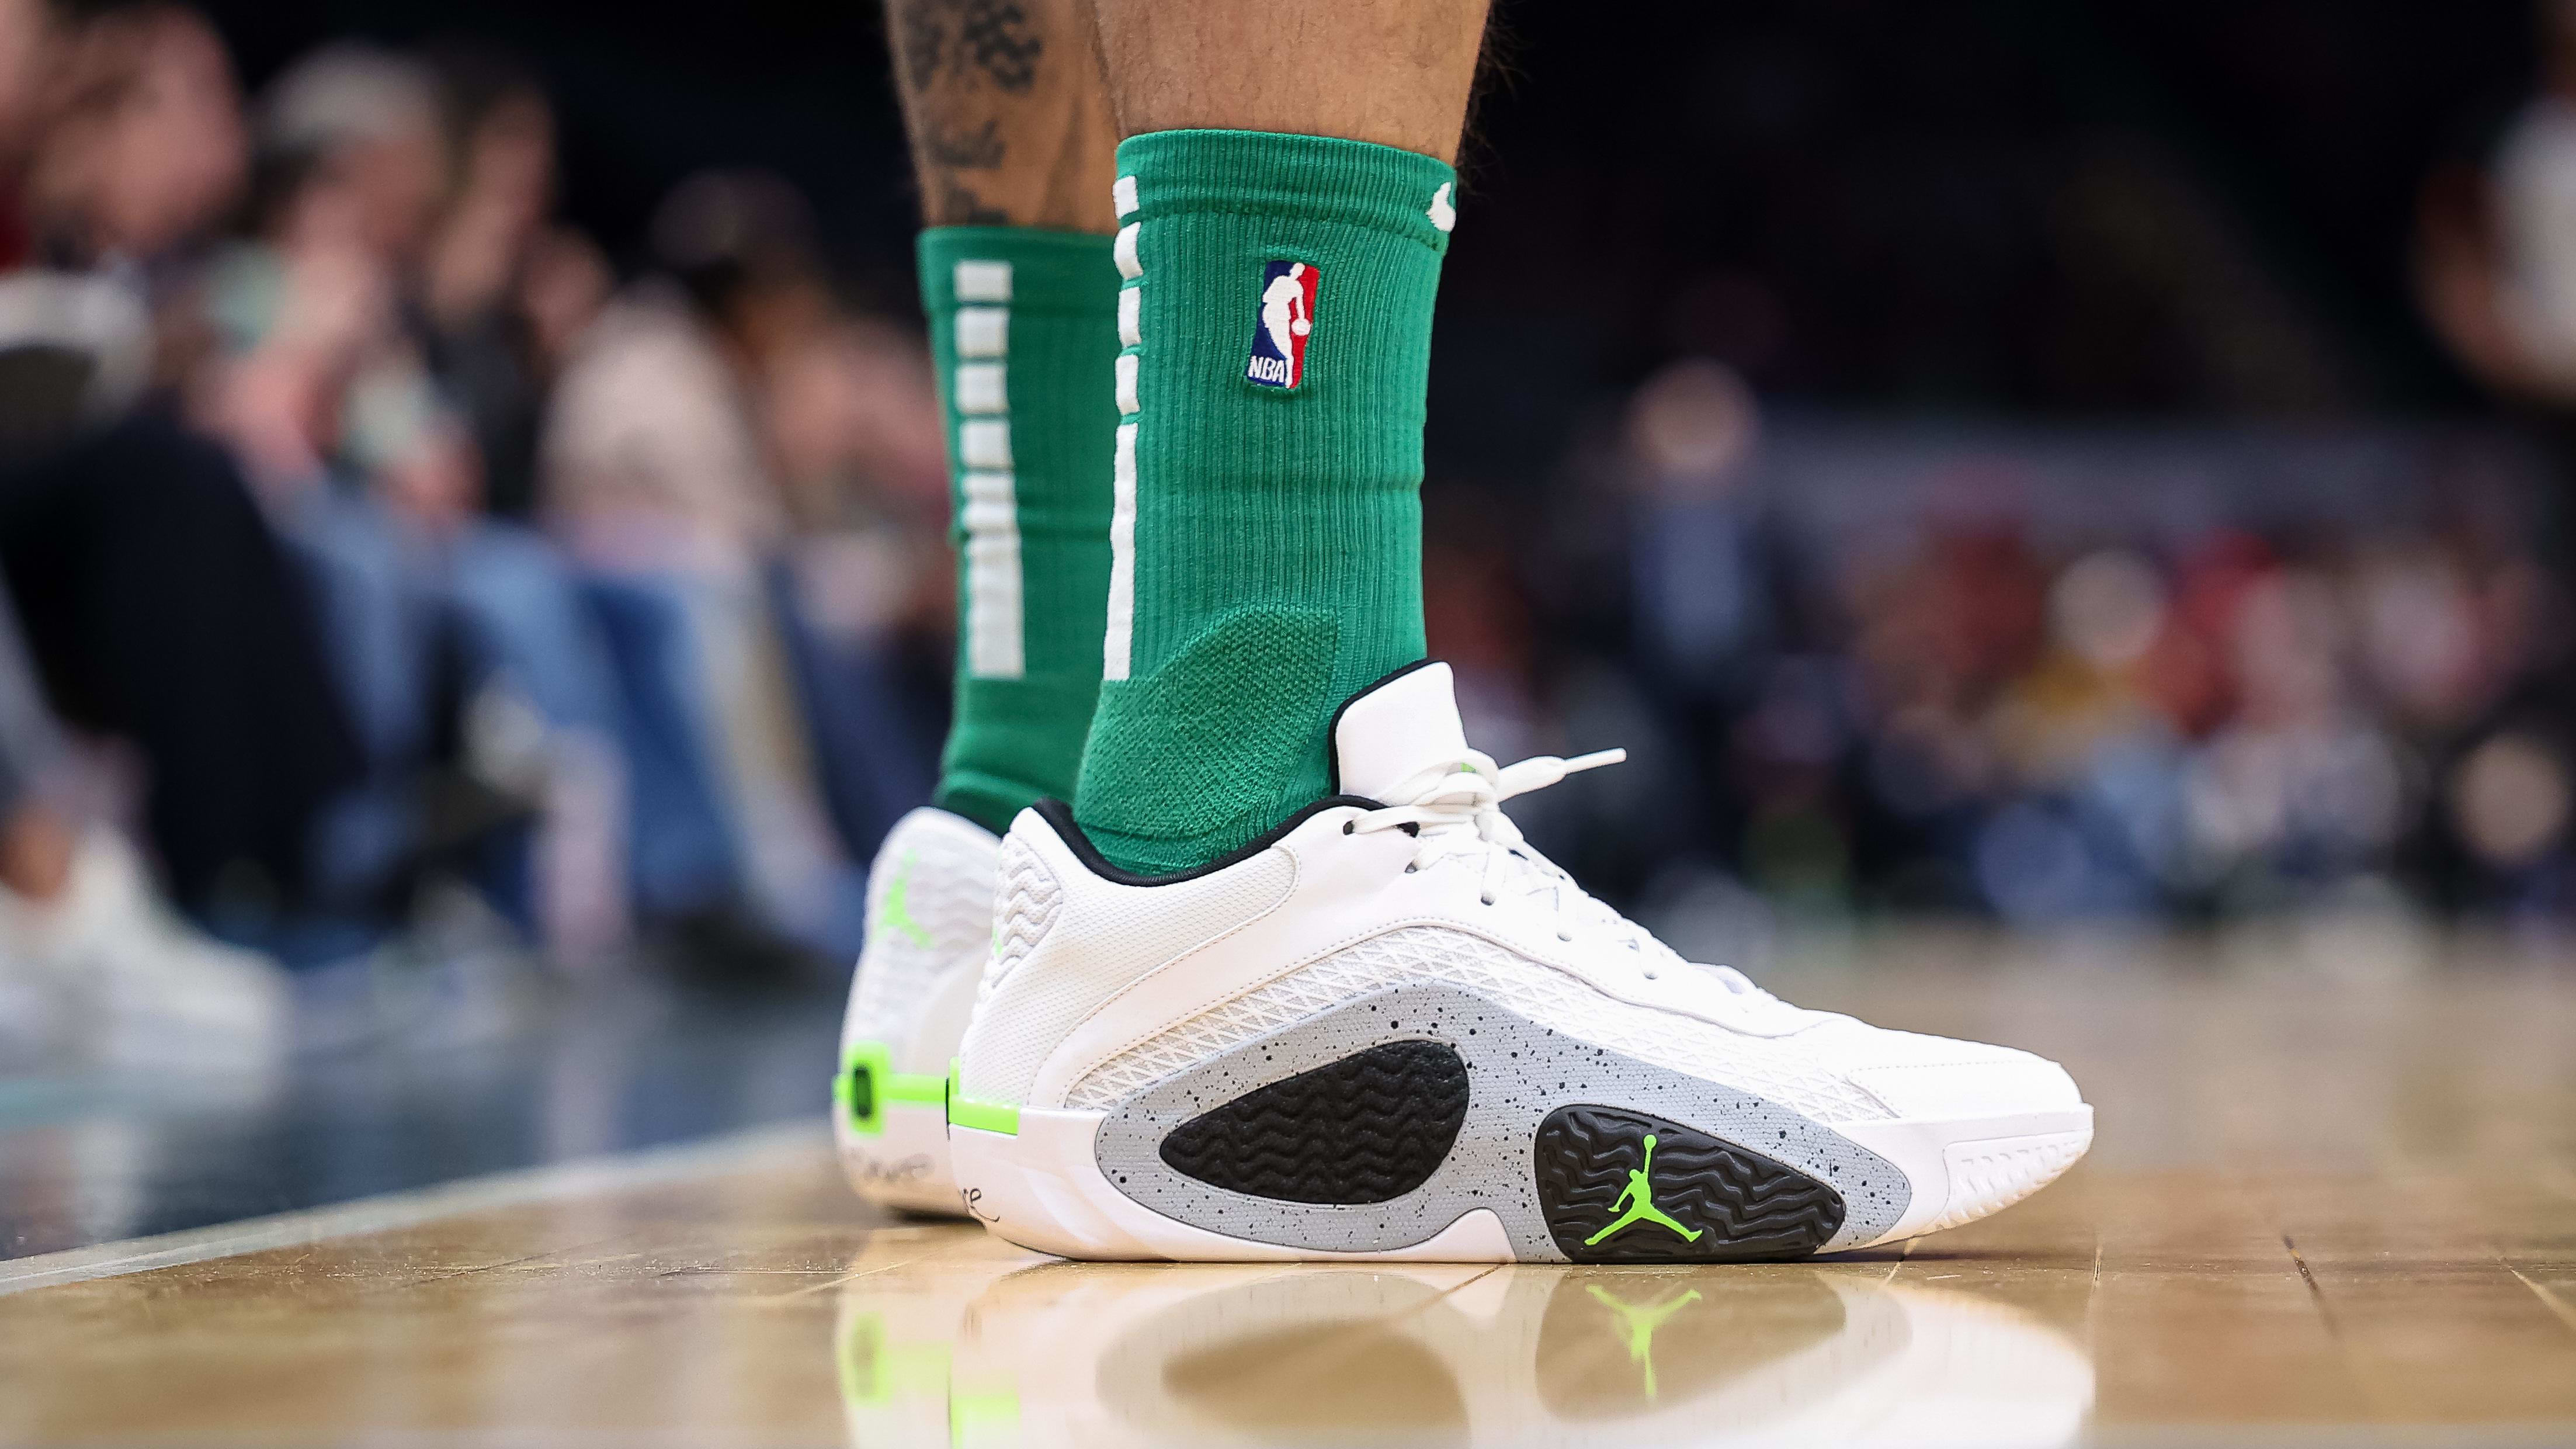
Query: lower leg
{"points": [[1275, 320], [1013, 147], [1003, 102], [1393, 72]]}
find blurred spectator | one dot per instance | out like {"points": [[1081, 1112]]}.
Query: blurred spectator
{"points": [[482, 687], [654, 454], [144, 145], [505, 291], [156, 606], [661, 461], [2495, 262], [2036, 674], [2496, 247]]}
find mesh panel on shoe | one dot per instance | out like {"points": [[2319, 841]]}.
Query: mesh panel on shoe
{"points": [[1782, 1070], [943, 869], [1214, 747], [1027, 897], [1033, 1002]]}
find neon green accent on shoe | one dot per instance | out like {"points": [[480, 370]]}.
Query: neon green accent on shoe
{"points": [[897, 915], [964, 1111], [1637, 1323], [868, 1081], [1638, 1197], [922, 1089]]}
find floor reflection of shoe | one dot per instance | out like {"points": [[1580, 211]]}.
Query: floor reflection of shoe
{"points": [[135, 981], [1441, 1353], [1391, 1029], [897, 1334], [930, 928]]}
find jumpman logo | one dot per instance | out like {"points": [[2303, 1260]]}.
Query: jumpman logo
{"points": [[1639, 1200], [1639, 1322], [897, 916]]}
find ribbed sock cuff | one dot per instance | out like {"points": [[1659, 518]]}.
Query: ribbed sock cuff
{"points": [[1299, 178]]}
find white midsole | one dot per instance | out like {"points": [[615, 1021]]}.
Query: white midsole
{"points": [[904, 1166], [1042, 1188], [1936, 1154]]}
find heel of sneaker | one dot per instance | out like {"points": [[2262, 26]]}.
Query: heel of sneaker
{"points": [[904, 1164], [891, 1132], [1038, 1185]]}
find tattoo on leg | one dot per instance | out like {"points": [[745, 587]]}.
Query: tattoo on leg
{"points": [[968, 40], [960, 206], [980, 149]]}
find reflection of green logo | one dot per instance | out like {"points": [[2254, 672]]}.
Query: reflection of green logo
{"points": [[879, 1375], [1639, 1200], [1640, 1322], [897, 915]]}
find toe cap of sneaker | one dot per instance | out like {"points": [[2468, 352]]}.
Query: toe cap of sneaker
{"points": [[1973, 1081]]}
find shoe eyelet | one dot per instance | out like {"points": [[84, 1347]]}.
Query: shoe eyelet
{"points": [[1410, 869], [1488, 900], [1654, 976], [1563, 937], [1346, 827]]}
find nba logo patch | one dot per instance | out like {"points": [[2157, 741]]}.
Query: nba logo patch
{"points": [[1287, 320]]}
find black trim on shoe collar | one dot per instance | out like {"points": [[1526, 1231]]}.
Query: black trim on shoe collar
{"points": [[1060, 815], [1333, 727]]}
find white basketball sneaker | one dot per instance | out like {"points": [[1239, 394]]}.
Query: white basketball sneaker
{"points": [[930, 929], [1388, 1029]]}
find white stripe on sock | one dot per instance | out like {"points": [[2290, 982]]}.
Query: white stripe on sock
{"points": [[994, 647], [1116, 640], [981, 389], [1127, 384], [1122, 194], [1131, 317], [983, 331], [1129, 266], [983, 281], [985, 443]]}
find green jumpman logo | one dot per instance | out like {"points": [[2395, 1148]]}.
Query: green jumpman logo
{"points": [[1639, 1200], [1640, 1322], [897, 915]]}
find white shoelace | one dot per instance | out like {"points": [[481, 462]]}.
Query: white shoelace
{"points": [[1456, 810]]}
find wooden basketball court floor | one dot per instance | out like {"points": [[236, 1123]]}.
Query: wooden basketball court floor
{"points": [[2326, 1204]]}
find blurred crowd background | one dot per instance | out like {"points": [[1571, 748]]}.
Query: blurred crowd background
{"points": [[471, 485]]}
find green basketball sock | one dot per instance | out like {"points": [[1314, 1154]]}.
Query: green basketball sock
{"points": [[1023, 330], [1275, 321]]}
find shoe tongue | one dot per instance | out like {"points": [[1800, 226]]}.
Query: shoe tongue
{"points": [[1397, 728]]}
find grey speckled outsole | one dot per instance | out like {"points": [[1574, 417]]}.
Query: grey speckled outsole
{"points": [[1519, 1073]]}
